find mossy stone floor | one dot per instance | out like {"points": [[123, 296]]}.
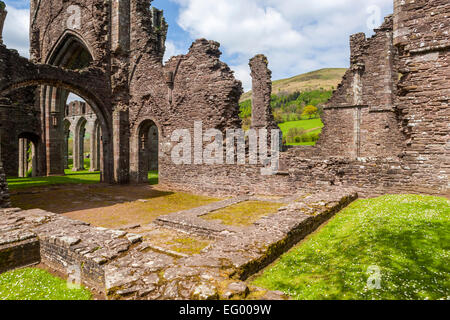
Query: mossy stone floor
{"points": [[245, 213]]}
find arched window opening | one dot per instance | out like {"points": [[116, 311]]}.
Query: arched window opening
{"points": [[28, 155]]}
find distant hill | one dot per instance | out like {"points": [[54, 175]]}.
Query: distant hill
{"points": [[323, 78]]}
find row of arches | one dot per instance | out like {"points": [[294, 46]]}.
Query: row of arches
{"points": [[76, 134], [81, 132]]}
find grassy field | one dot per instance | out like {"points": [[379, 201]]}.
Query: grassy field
{"points": [[324, 78], [312, 126], [304, 124], [37, 284], [405, 236]]}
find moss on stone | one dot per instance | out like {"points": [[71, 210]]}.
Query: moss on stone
{"points": [[244, 213]]}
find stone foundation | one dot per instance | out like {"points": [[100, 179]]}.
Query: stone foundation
{"points": [[124, 265]]}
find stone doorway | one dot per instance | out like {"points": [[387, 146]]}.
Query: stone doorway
{"points": [[148, 150], [28, 155]]}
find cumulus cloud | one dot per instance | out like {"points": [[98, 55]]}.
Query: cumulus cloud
{"points": [[172, 49], [296, 35], [16, 30]]}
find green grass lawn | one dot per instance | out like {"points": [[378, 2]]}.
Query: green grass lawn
{"points": [[37, 284], [308, 125], [303, 124], [406, 236]]}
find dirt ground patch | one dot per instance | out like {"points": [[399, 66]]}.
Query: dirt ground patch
{"points": [[108, 206]]}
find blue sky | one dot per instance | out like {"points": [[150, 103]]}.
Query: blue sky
{"points": [[297, 35]]}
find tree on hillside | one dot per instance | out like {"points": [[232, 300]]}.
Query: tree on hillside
{"points": [[310, 111]]}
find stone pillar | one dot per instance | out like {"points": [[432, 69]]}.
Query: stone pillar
{"points": [[66, 149], [81, 148], [54, 136], [34, 163], [95, 148], [120, 64], [262, 116], [121, 146], [4, 194], [3, 14], [153, 148], [22, 158], [78, 146]]}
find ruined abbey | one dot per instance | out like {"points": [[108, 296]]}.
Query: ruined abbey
{"points": [[387, 126]]}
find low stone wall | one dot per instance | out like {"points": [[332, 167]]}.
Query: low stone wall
{"points": [[71, 247], [17, 254], [370, 177], [59, 256]]}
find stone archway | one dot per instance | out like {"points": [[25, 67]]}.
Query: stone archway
{"points": [[28, 154], [71, 53], [23, 73], [145, 150]]}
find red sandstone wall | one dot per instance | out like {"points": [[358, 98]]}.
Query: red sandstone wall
{"points": [[397, 128], [421, 32], [370, 86]]}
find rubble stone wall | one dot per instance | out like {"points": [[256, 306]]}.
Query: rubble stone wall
{"points": [[421, 34], [360, 119], [386, 126], [18, 116]]}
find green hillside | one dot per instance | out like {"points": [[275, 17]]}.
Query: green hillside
{"points": [[328, 79]]}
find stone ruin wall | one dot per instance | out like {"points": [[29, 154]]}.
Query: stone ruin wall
{"points": [[386, 126], [360, 119], [422, 36], [199, 87]]}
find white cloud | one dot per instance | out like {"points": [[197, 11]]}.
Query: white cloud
{"points": [[171, 50], [16, 30], [296, 35]]}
